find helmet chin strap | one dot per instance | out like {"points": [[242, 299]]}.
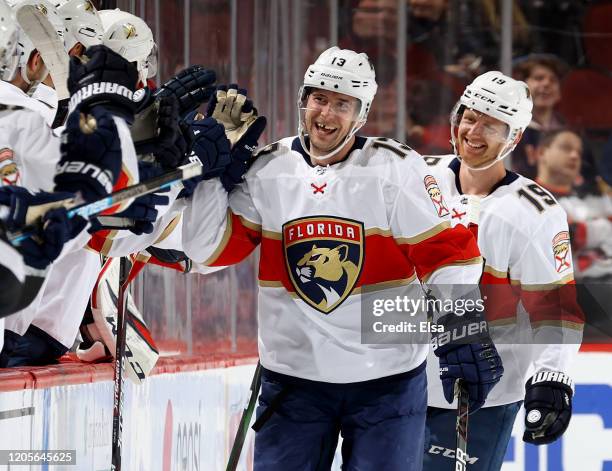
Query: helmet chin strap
{"points": [[323, 158]]}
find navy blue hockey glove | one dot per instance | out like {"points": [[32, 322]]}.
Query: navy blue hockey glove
{"points": [[140, 216], [103, 77], [55, 229], [156, 132], [53, 226], [90, 161], [24, 208], [192, 87], [471, 358], [548, 407], [207, 142]]}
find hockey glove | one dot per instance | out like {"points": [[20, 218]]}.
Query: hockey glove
{"points": [[23, 208], [548, 407], [234, 111], [192, 87], [140, 216], [102, 77], [90, 161], [207, 143], [473, 358], [156, 132], [54, 227]]}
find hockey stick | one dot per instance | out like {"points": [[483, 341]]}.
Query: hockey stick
{"points": [[245, 420], [36, 20], [87, 210], [124, 271], [461, 426]]}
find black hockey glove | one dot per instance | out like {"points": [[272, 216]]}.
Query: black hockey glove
{"points": [[548, 407], [103, 77], [192, 87], [90, 161], [471, 358], [139, 216], [231, 107], [156, 132], [207, 143]]}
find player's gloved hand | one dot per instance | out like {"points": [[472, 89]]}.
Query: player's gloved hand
{"points": [[90, 161], [473, 358], [102, 77], [548, 407], [23, 208], [231, 107], [156, 132], [207, 142], [192, 87], [140, 216], [55, 229]]}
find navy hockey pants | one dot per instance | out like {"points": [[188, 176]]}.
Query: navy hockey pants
{"points": [[381, 421], [489, 431]]}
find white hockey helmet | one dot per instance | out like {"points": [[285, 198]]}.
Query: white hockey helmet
{"points": [[342, 71], [82, 21], [9, 37], [500, 97], [130, 37]]}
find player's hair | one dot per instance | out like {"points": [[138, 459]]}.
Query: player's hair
{"points": [[523, 67]]}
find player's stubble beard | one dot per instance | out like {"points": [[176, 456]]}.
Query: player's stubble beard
{"points": [[321, 146]]}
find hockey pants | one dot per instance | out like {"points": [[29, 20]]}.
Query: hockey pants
{"points": [[381, 422], [489, 431]]}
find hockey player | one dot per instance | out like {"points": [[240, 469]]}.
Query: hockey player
{"points": [[336, 215], [523, 236], [22, 270]]}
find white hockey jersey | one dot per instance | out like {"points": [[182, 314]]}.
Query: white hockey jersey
{"points": [[48, 97], [590, 219], [373, 223], [29, 150], [528, 279]]}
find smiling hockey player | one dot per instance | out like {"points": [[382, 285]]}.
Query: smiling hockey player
{"points": [[523, 235], [336, 215]]}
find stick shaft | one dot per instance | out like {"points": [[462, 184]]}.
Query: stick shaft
{"points": [[119, 365]]}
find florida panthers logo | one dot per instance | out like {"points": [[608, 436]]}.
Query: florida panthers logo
{"points": [[433, 190], [324, 257], [561, 251], [9, 174]]}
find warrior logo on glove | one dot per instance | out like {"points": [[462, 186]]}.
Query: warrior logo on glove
{"points": [[324, 257]]}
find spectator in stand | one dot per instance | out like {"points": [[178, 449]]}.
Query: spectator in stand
{"points": [[559, 156], [543, 74]]}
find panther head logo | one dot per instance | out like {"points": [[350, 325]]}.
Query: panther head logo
{"points": [[324, 258], [329, 269]]}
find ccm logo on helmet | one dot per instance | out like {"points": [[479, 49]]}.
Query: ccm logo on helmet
{"points": [[484, 98]]}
